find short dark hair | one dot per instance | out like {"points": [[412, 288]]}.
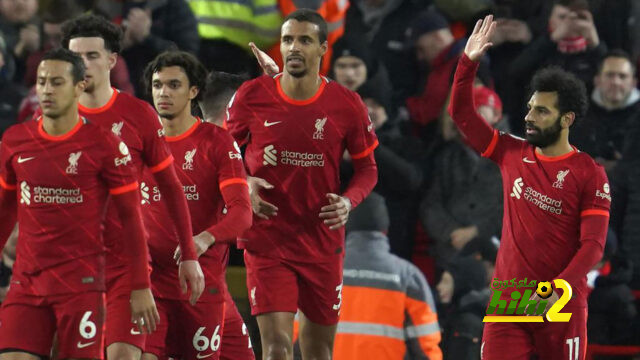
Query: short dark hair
{"points": [[617, 53], [572, 94], [92, 26], [77, 64], [219, 88], [59, 11], [574, 5], [308, 15], [196, 72]]}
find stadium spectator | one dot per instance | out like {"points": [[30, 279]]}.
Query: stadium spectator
{"points": [[572, 43], [388, 311], [21, 28], [463, 203], [463, 294], [615, 106], [382, 25], [10, 93], [150, 27]]}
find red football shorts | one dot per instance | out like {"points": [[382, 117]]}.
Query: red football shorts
{"points": [[551, 341], [236, 344], [279, 285], [28, 323], [119, 326], [186, 331]]}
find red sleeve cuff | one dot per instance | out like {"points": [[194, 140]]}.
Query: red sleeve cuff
{"points": [[162, 165], [4, 185], [596, 212], [366, 152], [492, 145], [123, 189], [232, 181]]}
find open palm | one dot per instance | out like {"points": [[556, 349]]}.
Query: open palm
{"points": [[478, 42]]}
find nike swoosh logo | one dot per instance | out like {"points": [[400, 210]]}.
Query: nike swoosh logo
{"points": [[82, 346], [21, 159], [267, 123], [203, 356], [525, 159], [135, 331]]}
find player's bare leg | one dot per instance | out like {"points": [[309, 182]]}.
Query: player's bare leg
{"points": [[18, 355], [316, 341], [276, 334], [123, 351]]}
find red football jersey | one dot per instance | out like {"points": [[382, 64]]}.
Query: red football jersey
{"points": [[297, 146], [138, 125], [63, 184], [545, 198], [207, 160]]}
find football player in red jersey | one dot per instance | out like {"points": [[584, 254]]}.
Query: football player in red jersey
{"points": [[219, 87], [556, 204], [65, 169], [97, 41], [297, 126], [211, 170]]}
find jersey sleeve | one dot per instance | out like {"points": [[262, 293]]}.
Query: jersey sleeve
{"points": [[117, 170], [228, 160], [156, 154], [596, 195], [7, 174], [361, 138], [238, 116]]}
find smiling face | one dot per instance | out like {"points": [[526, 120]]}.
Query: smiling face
{"points": [[98, 60], [301, 48], [543, 122], [55, 88], [171, 92]]}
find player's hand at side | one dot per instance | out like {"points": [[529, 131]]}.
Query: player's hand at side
{"points": [[265, 61], [202, 241], [336, 213], [191, 278], [479, 41], [261, 208], [550, 301], [143, 310]]}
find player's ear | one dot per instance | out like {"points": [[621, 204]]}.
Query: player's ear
{"points": [[323, 47], [567, 119], [193, 92], [112, 59], [79, 87]]}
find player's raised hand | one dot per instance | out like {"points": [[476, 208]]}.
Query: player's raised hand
{"points": [[191, 278], [265, 61], [261, 208], [143, 310], [479, 41], [336, 213]]}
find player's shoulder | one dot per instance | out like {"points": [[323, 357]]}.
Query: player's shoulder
{"points": [[18, 131], [138, 108], [334, 89], [257, 85], [587, 165], [215, 134]]}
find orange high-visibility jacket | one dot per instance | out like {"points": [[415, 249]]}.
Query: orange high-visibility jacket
{"points": [[333, 12], [387, 310]]}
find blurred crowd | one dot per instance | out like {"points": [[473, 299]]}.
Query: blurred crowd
{"points": [[444, 201]]}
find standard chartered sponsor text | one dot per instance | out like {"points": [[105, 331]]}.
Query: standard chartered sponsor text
{"points": [[47, 195], [544, 202], [294, 158]]}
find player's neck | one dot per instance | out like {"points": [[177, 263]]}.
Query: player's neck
{"points": [[178, 125], [98, 98], [559, 148], [302, 88], [62, 124]]}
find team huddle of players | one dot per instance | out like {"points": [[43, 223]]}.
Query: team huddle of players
{"points": [[126, 213]]}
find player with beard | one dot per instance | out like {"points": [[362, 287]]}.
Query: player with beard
{"points": [[65, 167], [297, 126], [212, 173], [97, 41], [556, 203]]}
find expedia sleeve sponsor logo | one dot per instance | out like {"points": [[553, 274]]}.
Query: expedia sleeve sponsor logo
{"points": [[604, 195], [47, 195], [124, 150]]}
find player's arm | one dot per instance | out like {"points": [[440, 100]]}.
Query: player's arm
{"points": [[594, 222], [476, 131]]}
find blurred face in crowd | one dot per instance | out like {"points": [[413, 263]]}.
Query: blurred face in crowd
{"points": [[53, 33], [300, 47], [543, 122], [171, 92], [445, 287], [18, 11], [350, 72], [55, 88], [98, 60], [615, 81], [431, 44], [559, 14], [377, 112]]}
